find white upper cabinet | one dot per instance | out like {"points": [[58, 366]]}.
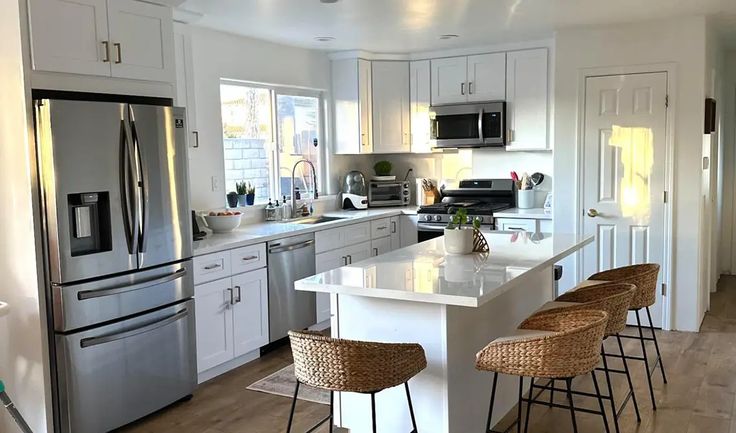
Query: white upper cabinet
{"points": [[142, 38], [420, 94], [449, 80], [391, 104], [527, 100], [487, 77], [70, 36], [469, 79], [113, 38], [351, 92]]}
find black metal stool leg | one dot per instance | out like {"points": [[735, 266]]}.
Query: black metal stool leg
{"points": [[610, 388], [293, 406], [493, 400], [600, 403], [332, 411], [529, 407], [411, 408], [656, 346], [572, 405], [628, 378], [518, 410], [373, 411], [552, 392], [646, 360]]}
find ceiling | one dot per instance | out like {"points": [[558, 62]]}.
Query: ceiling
{"points": [[402, 26]]}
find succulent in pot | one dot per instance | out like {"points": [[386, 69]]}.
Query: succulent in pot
{"points": [[459, 234], [250, 194], [241, 188], [232, 199], [383, 168]]}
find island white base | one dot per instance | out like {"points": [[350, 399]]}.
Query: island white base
{"points": [[450, 396]]}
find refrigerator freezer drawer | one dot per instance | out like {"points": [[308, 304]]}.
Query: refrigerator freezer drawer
{"points": [[114, 374], [80, 305]]}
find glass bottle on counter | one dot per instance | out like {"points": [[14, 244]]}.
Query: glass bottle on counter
{"points": [[270, 211], [285, 210]]}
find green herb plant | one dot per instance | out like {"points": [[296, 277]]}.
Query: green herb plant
{"points": [[461, 217], [383, 168], [251, 189], [241, 188]]}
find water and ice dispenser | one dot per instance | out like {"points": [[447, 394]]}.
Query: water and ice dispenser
{"points": [[89, 220]]}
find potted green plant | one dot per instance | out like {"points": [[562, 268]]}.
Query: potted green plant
{"points": [[250, 194], [383, 168], [242, 189], [232, 199], [459, 233]]}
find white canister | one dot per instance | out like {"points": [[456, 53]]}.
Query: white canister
{"points": [[526, 199], [459, 241]]}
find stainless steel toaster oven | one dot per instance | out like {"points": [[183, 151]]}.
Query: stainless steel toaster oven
{"points": [[388, 193]]}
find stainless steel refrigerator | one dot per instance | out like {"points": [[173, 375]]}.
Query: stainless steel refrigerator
{"points": [[118, 248]]}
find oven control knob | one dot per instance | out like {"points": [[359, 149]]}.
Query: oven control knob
{"points": [[427, 217], [438, 218]]}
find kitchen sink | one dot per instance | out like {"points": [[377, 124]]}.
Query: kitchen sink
{"points": [[318, 220]]}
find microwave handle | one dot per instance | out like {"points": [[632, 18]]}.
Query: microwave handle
{"points": [[480, 125]]}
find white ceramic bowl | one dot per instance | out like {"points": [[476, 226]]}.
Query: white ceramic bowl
{"points": [[222, 224]]}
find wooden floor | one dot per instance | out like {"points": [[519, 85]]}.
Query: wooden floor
{"points": [[699, 397]]}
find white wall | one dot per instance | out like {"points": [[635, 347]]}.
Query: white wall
{"points": [[727, 107], [23, 356], [681, 42], [217, 55]]}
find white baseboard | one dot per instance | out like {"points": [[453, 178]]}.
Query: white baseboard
{"points": [[230, 365]]}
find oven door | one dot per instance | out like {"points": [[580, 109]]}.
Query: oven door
{"points": [[427, 231], [385, 194]]}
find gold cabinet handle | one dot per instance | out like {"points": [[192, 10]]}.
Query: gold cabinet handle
{"points": [[118, 52], [106, 52]]}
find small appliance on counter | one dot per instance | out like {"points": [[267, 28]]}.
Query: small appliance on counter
{"points": [[197, 232], [388, 193], [354, 191]]}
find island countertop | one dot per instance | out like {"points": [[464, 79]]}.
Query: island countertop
{"points": [[424, 273]]}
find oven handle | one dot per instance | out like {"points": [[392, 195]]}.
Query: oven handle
{"points": [[94, 341], [431, 227]]}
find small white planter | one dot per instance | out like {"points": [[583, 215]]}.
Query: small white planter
{"points": [[459, 241]]}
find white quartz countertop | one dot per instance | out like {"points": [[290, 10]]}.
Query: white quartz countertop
{"points": [[250, 234], [424, 273], [536, 213]]}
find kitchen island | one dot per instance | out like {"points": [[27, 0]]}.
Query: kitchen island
{"points": [[453, 306]]}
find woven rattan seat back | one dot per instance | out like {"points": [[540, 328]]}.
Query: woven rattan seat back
{"points": [[613, 298], [572, 349], [353, 366], [643, 276]]}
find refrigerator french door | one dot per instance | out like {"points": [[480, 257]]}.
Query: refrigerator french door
{"points": [[115, 201]]}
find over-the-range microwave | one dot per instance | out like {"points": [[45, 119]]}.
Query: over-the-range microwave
{"points": [[468, 125]]}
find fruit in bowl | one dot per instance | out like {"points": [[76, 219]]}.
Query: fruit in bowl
{"points": [[222, 222]]}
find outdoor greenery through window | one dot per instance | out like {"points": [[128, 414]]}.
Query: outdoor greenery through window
{"points": [[266, 130]]}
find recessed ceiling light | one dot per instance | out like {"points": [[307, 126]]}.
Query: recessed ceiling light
{"points": [[328, 1], [324, 39], [448, 36]]}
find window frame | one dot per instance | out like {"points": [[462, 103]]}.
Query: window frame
{"points": [[273, 144]]}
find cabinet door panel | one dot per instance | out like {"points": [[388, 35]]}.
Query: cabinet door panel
{"points": [[390, 106], [449, 78], [144, 35], [365, 105], [420, 91], [326, 262], [356, 253], [250, 312], [395, 233], [526, 99], [408, 230], [356, 233], [487, 77], [68, 36], [214, 323], [380, 246]]}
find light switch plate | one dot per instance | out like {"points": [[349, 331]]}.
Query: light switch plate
{"points": [[215, 184]]}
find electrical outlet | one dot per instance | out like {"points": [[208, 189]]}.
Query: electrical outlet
{"points": [[215, 184]]}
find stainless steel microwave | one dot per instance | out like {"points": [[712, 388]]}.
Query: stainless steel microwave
{"points": [[388, 193], [468, 125]]}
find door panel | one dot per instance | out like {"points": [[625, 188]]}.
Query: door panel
{"points": [[390, 106], [82, 150], [160, 136], [250, 312], [214, 323], [420, 93], [69, 36], [624, 172], [142, 35], [487, 77], [449, 78], [526, 99]]}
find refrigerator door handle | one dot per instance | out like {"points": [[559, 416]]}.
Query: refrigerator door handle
{"points": [[142, 184], [94, 341], [127, 190], [117, 290]]}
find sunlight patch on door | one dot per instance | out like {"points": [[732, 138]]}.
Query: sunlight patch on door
{"points": [[636, 146]]}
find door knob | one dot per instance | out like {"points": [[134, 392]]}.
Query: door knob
{"points": [[593, 213]]}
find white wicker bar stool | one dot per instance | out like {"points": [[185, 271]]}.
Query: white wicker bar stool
{"points": [[562, 345], [353, 366]]}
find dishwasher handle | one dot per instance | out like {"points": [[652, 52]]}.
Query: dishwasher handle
{"points": [[276, 248]]}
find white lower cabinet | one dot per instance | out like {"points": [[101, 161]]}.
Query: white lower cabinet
{"points": [[524, 224], [231, 314], [395, 231], [380, 246]]}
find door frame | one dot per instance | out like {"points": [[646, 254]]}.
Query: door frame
{"points": [[671, 74]]}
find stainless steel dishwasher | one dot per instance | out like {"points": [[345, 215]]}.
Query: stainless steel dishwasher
{"points": [[290, 259]]}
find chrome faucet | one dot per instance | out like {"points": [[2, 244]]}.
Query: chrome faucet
{"points": [[293, 191]]}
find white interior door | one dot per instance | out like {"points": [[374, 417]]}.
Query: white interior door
{"points": [[624, 172]]}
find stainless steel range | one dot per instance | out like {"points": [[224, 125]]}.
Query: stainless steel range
{"points": [[479, 197]]}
